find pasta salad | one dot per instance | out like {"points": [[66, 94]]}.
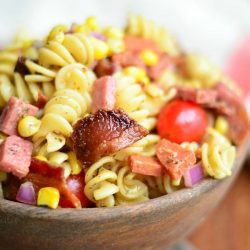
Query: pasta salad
{"points": [[96, 116]]}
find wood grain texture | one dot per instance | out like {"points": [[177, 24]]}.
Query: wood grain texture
{"points": [[148, 225], [228, 227]]}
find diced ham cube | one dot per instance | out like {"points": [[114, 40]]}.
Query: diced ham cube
{"points": [[15, 156], [145, 165], [174, 158], [138, 44], [12, 113], [104, 93], [128, 58]]}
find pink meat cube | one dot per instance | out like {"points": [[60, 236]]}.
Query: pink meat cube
{"points": [[12, 113], [15, 156], [104, 93], [145, 165]]}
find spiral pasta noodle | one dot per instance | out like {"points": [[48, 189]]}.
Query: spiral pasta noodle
{"points": [[101, 183], [131, 98], [142, 27], [75, 48], [131, 189], [146, 146], [61, 111], [218, 155]]}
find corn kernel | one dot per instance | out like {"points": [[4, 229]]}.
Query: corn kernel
{"points": [[145, 80], [92, 23], [3, 176], [75, 166], [149, 57], [57, 33], [28, 126], [81, 28], [101, 49], [48, 196], [41, 158], [221, 125], [113, 33], [138, 74]]}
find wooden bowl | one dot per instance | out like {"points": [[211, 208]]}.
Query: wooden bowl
{"points": [[153, 224]]}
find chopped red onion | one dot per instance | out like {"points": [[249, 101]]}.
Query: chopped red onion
{"points": [[98, 35], [194, 175], [26, 193]]}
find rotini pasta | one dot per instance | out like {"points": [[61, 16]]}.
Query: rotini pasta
{"points": [[218, 155], [60, 113], [100, 183], [75, 48], [140, 26]]}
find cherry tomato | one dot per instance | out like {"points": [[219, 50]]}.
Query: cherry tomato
{"points": [[76, 185], [182, 121]]}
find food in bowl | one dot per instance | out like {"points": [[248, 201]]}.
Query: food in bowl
{"points": [[102, 116]]}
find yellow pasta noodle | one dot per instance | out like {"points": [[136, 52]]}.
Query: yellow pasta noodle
{"points": [[218, 155], [100, 183], [60, 113], [142, 27]]}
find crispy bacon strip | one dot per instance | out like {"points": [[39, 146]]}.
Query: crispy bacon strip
{"points": [[223, 101], [43, 175], [104, 133]]}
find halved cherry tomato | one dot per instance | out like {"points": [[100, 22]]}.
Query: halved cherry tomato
{"points": [[182, 121]]}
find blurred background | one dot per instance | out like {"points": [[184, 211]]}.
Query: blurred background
{"points": [[209, 26], [219, 29]]}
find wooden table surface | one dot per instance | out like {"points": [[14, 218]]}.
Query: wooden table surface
{"points": [[228, 226]]}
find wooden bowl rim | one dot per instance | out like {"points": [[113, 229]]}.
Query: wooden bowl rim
{"points": [[168, 202]]}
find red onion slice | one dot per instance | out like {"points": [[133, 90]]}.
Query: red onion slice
{"points": [[26, 193], [194, 175]]}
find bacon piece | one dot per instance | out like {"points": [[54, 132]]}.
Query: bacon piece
{"points": [[128, 58], [15, 155], [104, 93], [223, 101], [11, 187], [145, 165], [200, 96], [174, 158], [138, 44], [104, 133], [13, 111], [105, 67], [231, 105], [44, 175], [41, 101], [20, 66]]}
